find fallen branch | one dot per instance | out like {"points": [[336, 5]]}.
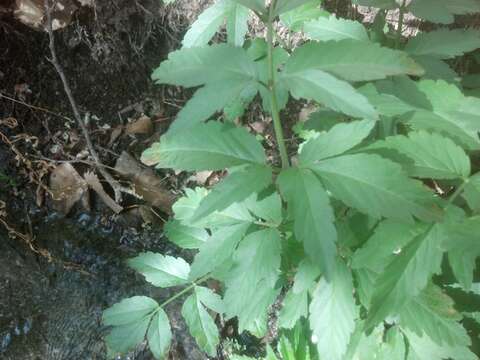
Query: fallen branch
{"points": [[54, 60]]}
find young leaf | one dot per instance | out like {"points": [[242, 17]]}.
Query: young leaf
{"points": [[336, 141], [338, 95], [208, 100], [237, 24], [207, 24], [294, 307], [251, 282], [218, 249], [201, 325], [444, 43], [161, 270], [333, 28], [159, 335], [211, 146], [312, 214], [376, 186], [238, 185], [352, 60], [432, 313], [191, 67], [333, 314], [407, 275], [434, 156], [184, 236]]}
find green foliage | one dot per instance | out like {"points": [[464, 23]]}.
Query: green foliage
{"points": [[363, 235]]}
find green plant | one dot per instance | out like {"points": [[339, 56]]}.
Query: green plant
{"points": [[368, 232]]}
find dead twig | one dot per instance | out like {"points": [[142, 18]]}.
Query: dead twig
{"points": [[54, 60]]}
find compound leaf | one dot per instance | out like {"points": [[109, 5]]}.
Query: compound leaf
{"points": [[432, 313], [161, 270], [333, 28], [407, 275], [336, 141], [218, 249], [210, 146], [250, 284], [200, 324], [130, 319], [208, 100], [433, 155], [314, 84], [375, 186], [159, 335], [197, 66], [352, 60], [313, 216], [333, 313], [444, 43], [294, 307], [207, 24], [442, 11], [381, 4], [235, 187], [129, 311], [255, 5], [422, 347], [185, 236], [237, 24]]}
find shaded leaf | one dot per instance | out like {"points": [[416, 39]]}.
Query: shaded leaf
{"points": [[159, 335], [211, 146], [352, 60], [238, 185], [200, 324], [333, 314], [376, 186], [336, 141], [312, 214]]}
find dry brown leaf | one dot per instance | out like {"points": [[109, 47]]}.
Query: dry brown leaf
{"points": [[146, 183], [142, 125], [66, 187], [94, 183]]}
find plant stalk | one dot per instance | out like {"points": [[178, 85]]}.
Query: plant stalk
{"points": [[184, 291], [273, 94], [401, 18]]}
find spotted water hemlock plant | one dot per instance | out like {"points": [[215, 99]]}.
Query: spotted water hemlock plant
{"points": [[368, 234]]}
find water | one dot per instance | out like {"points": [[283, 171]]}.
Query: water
{"points": [[52, 311]]}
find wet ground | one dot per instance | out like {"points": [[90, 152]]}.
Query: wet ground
{"points": [[53, 310]]}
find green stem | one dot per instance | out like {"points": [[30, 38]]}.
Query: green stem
{"points": [[401, 17], [273, 94], [457, 192], [184, 291]]}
